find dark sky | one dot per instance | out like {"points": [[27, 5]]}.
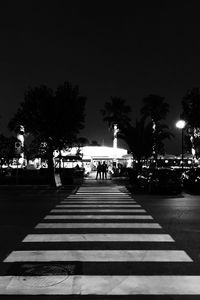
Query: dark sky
{"points": [[108, 48]]}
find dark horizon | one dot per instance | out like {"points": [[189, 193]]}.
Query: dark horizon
{"points": [[108, 50]]}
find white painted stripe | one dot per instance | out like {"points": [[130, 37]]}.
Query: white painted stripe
{"points": [[96, 199], [103, 202], [99, 196], [99, 217], [98, 237], [102, 191], [108, 188], [103, 194], [97, 225], [109, 191], [99, 193], [99, 256], [115, 193], [98, 187], [98, 205], [99, 210], [100, 199], [100, 285], [102, 188], [111, 187]]}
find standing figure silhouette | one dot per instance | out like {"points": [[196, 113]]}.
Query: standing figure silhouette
{"points": [[104, 170], [99, 170]]}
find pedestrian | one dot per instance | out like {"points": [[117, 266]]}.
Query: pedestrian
{"points": [[99, 170], [104, 170]]}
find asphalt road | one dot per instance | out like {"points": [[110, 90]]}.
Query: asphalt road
{"points": [[179, 216], [21, 209]]}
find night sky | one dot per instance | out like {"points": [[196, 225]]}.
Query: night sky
{"points": [[108, 48]]}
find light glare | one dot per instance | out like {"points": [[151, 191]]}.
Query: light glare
{"points": [[180, 124]]}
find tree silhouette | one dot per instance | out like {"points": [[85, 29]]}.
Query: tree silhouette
{"points": [[34, 149], [81, 142], [155, 108], [116, 112], [94, 143], [55, 118], [7, 149], [162, 133], [140, 139], [191, 114]]}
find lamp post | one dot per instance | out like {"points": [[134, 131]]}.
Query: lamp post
{"points": [[181, 125]]}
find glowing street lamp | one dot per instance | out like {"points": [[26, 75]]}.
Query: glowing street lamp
{"points": [[181, 125]]}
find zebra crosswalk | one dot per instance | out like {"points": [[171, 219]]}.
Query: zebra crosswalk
{"points": [[99, 241]]}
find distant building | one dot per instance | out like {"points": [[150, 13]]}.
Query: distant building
{"points": [[91, 155]]}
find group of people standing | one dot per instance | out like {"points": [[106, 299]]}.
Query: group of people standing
{"points": [[102, 170]]}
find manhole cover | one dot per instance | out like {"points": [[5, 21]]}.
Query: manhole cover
{"points": [[39, 276], [41, 282]]}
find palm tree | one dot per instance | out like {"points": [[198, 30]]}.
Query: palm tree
{"points": [[140, 139], [115, 113], [162, 133], [191, 114], [155, 108]]}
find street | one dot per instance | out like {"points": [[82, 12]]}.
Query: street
{"points": [[21, 208], [99, 240], [179, 216]]}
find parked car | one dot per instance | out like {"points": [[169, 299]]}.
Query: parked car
{"points": [[160, 180], [191, 180]]}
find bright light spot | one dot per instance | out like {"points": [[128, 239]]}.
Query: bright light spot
{"points": [[180, 124], [189, 162], [96, 151], [193, 151], [21, 160], [103, 151], [166, 161]]}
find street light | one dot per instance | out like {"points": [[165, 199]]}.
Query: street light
{"points": [[181, 125]]}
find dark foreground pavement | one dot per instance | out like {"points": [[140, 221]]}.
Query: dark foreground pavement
{"points": [[98, 243], [21, 208]]}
